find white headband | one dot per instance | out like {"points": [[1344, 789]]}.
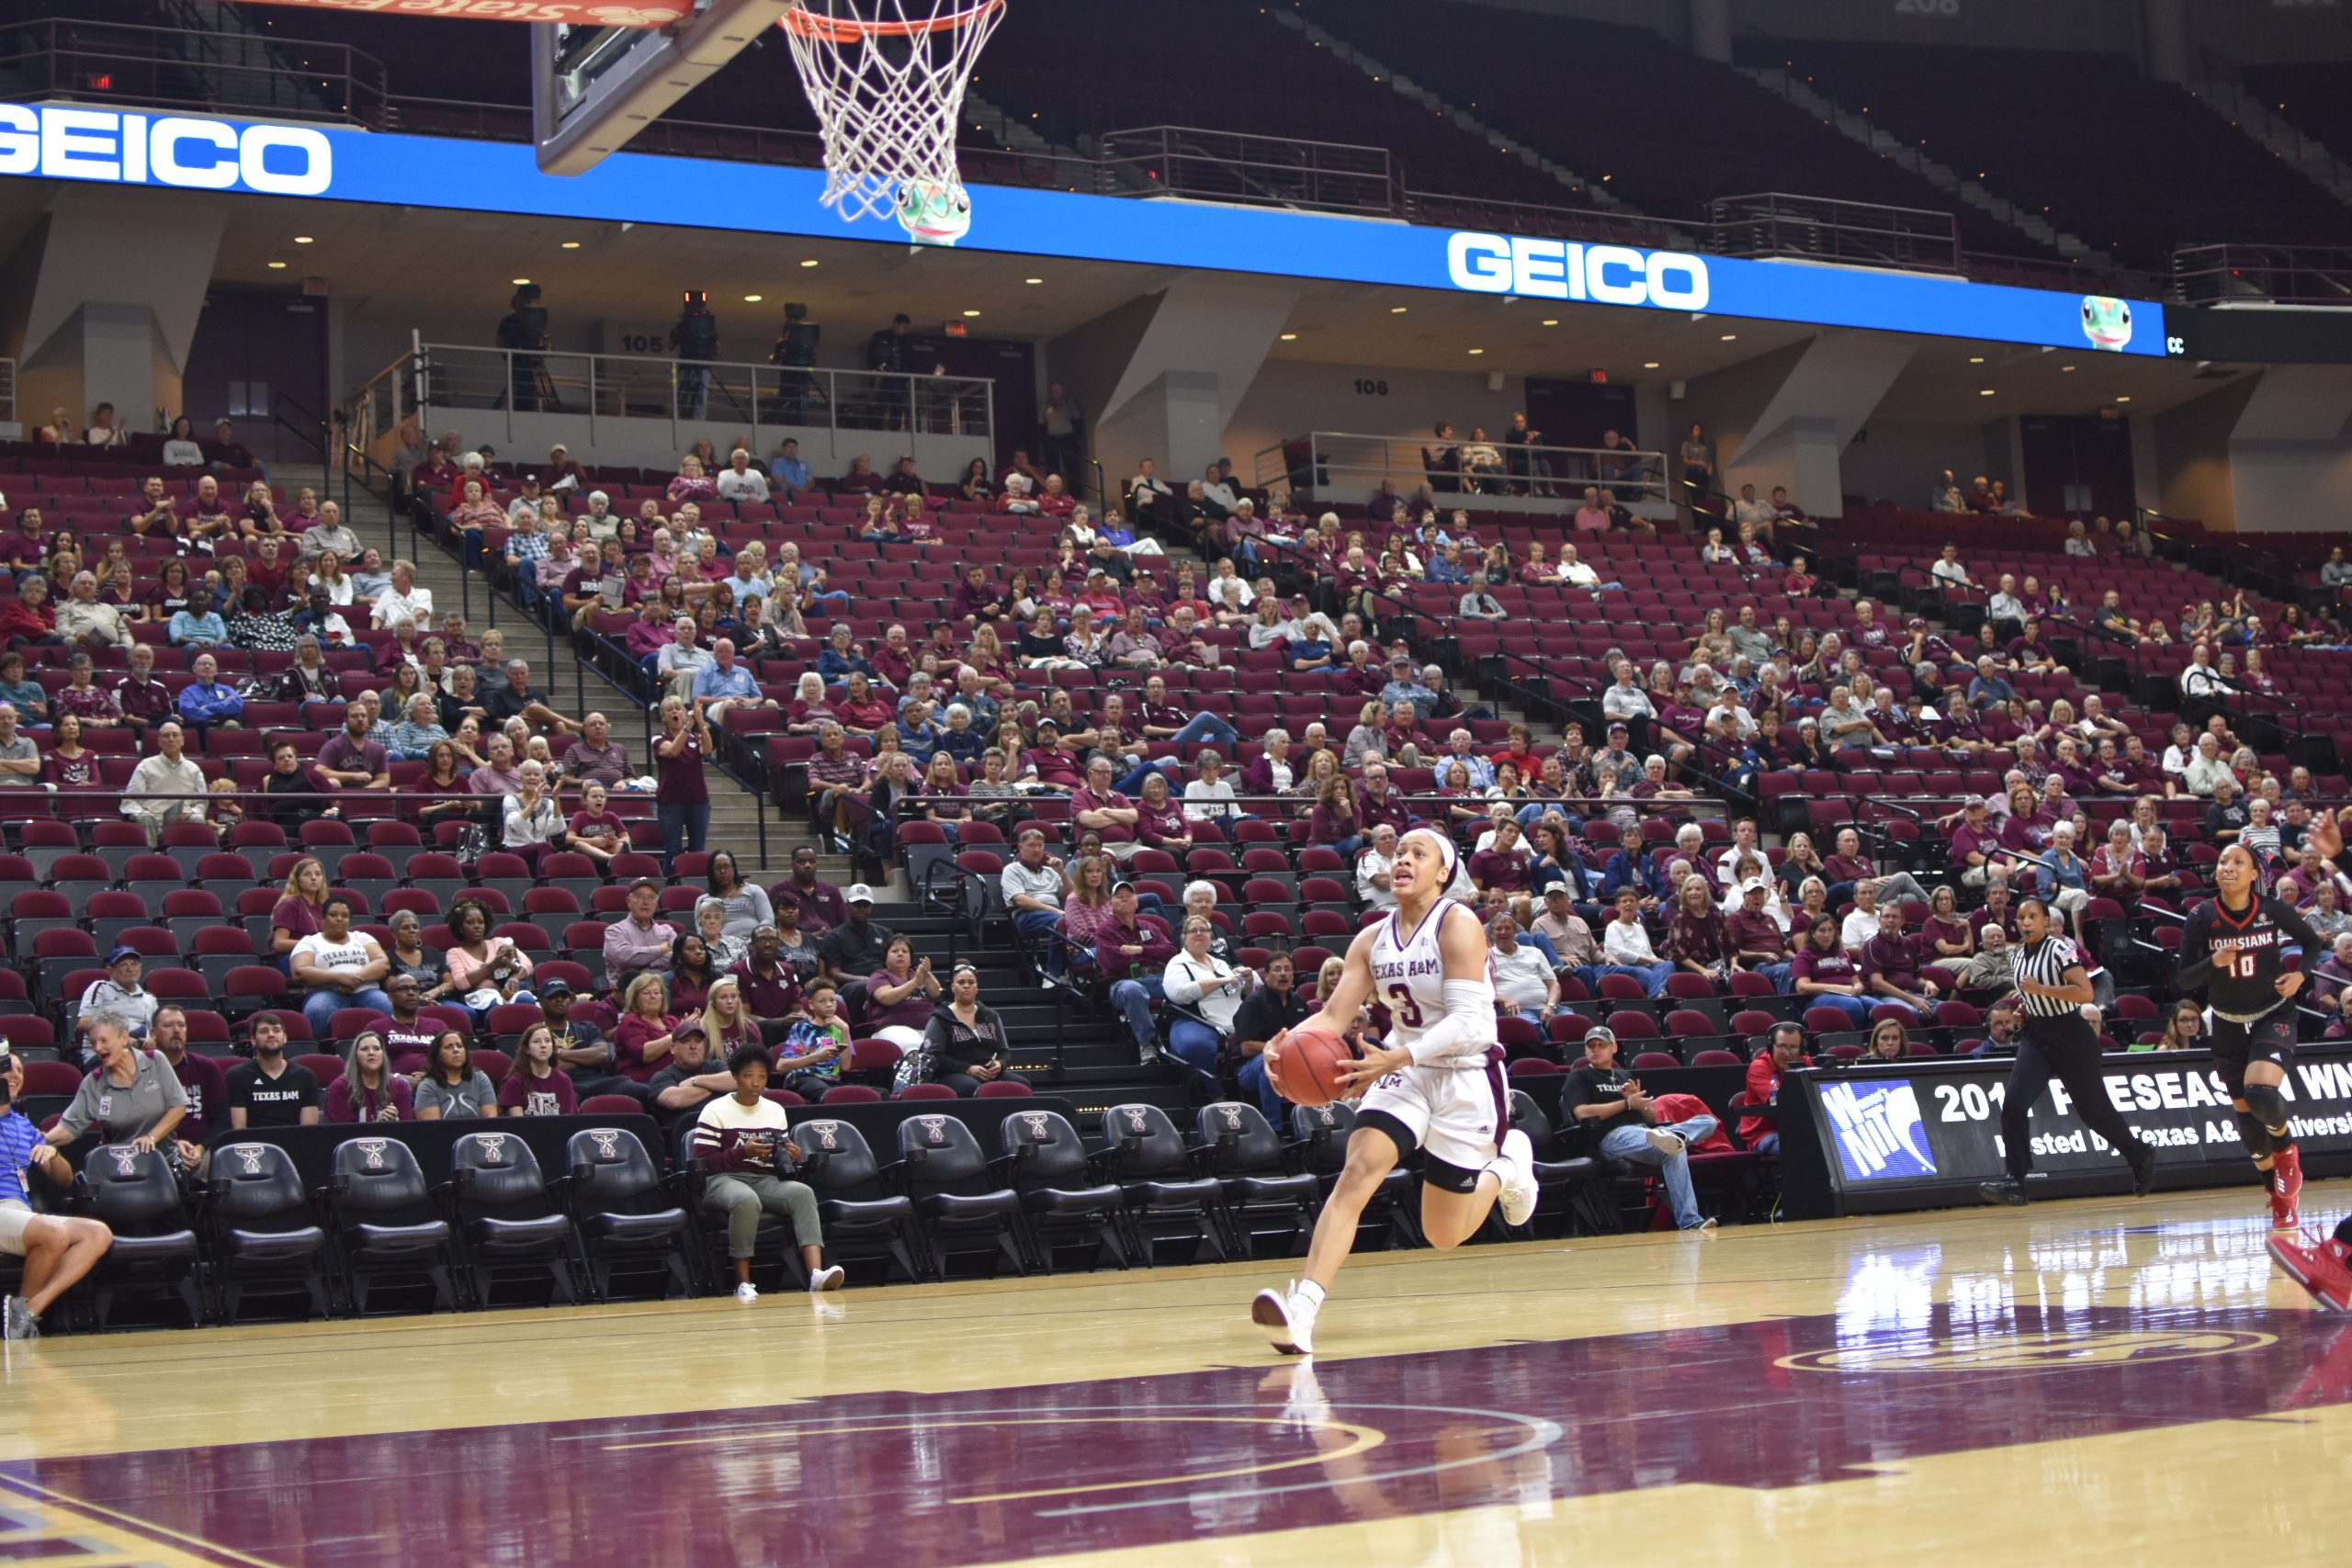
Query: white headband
{"points": [[1447, 854]]}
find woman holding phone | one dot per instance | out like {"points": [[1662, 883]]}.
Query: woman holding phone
{"points": [[965, 1040]]}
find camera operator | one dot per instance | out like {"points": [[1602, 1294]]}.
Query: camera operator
{"points": [[695, 340], [889, 352], [796, 351], [523, 328]]}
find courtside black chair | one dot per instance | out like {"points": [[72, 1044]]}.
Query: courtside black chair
{"points": [[262, 1231], [137, 1195], [1263, 1195], [383, 1221], [624, 1216], [1045, 1162], [961, 1205], [506, 1219], [1572, 1187], [861, 1215], [1319, 1135], [1167, 1197]]}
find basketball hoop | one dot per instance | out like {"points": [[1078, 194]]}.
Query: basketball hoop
{"points": [[888, 87]]}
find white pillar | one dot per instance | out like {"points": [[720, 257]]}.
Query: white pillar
{"points": [[1799, 429], [2290, 451], [116, 288], [1161, 377]]}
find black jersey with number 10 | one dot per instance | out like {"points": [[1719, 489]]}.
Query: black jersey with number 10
{"points": [[2239, 959]]}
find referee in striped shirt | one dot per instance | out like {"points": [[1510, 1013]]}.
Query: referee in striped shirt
{"points": [[2060, 1043]]}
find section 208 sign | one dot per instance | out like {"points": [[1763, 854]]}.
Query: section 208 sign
{"points": [[74, 142]]}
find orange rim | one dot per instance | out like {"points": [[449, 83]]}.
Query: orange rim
{"points": [[842, 29]]}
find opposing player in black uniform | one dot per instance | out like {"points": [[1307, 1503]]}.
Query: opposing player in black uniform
{"points": [[2237, 948]]}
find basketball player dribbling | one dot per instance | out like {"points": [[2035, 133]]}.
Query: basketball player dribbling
{"points": [[2235, 948], [1436, 1085]]}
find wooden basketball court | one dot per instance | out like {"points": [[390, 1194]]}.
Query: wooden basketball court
{"points": [[2076, 1380]]}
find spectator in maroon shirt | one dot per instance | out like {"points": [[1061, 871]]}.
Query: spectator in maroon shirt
{"points": [[1698, 940], [1131, 953], [769, 987], [203, 1078], [976, 599], [2031, 654], [2161, 872], [835, 778], [1375, 806], [1890, 964], [819, 902], [1754, 939], [1333, 819], [2117, 871], [348, 759], [1503, 865], [1055, 765], [862, 711], [894, 660], [1996, 910], [1161, 823]]}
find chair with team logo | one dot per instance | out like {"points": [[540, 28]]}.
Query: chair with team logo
{"points": [[1319, 1136], [1573, 1187], [262, 1231], [506, 1220], [862, 1217], [1264, 1195], [1167, 1197], [382, 1217], [1045, 1162], [958, 1201], [625, 1217], [137, 1196]]}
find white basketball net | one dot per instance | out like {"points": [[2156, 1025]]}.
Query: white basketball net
{"points": [[887, 80]]}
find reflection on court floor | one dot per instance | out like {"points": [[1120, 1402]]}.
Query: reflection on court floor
{"points": [[1002, 1474]]}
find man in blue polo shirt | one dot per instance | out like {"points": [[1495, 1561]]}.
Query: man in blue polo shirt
{"points": [[723, 683], [57, 1251]]}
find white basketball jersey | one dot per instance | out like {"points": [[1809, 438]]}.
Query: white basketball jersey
{"points": [[1409, 975]]}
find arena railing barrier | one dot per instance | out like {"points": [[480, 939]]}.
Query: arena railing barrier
{"points": [[1352, 466], [771, 401]]}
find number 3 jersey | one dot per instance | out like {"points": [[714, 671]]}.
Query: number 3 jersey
{"points": [[2239, 959], [1409, 979]]}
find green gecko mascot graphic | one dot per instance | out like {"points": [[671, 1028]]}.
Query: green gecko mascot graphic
{"points": [[936, 214], [2107, 322]]}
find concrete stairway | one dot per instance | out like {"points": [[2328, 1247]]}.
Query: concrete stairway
{"points": [[571, 686]]}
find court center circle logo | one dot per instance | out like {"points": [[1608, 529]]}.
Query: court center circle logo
{"points": [[2049, 1350]]}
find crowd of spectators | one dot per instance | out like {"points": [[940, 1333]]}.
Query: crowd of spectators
{"points": [[1594, 865]]}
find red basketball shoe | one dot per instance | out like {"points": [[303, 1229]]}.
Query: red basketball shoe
{"points": [[2324, 1271], [2286, 1188]]}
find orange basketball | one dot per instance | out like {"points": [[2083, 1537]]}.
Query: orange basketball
{"points": [[1305, 1071]]}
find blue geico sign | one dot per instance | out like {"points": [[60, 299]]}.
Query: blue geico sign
{"points": [[59, 141], [1556, 269], [64, 143]]}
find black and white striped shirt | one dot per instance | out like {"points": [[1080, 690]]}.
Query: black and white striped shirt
{"points": [[2045, 963]]}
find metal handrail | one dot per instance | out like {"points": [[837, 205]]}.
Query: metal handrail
{"points": [[2257, 273], [740, 392], [1812, 227], [1350, 459], [1327, 176]]}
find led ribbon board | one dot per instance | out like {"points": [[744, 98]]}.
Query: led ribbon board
{"points": [[330, 162]]}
